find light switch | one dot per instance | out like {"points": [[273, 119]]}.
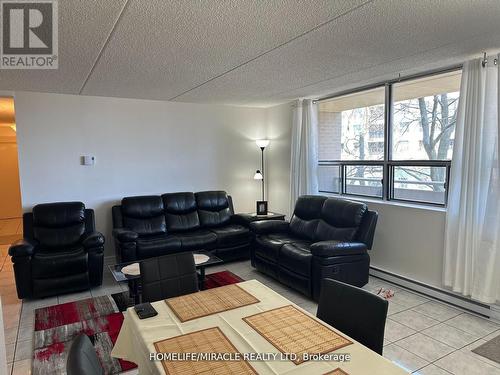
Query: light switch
{"points": [[88, 160]]}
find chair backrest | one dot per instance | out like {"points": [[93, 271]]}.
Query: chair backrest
{"points": [[340, 220], [168, 276], [56, 225], [214, 208], [306, 216], [180, 211], [144, 215], [355, 312], [82, 358]]}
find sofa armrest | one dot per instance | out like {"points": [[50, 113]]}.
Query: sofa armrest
{"points": [[22, 248], [269, 226], [337, 248], [92, 240], [125, 235], [242, 219]]}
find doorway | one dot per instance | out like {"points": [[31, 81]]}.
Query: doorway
{"points": [[10, 192]]}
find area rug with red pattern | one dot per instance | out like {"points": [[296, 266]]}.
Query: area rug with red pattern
{"points": [[100, 318]]}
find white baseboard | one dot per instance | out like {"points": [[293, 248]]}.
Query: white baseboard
{"points": [[438, 293], [495, 313]]}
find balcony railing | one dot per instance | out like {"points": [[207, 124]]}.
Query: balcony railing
{"points": [[337, 178]]}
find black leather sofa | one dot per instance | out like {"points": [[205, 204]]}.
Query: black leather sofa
{"points": [[61, 252], [325, 238], [151, 226]]}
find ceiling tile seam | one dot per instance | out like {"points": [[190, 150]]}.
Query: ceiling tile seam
{"points": [[377, 65], [111, 33], [274, 48]]}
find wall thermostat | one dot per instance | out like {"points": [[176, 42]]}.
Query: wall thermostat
{"points": [[88, 160]]}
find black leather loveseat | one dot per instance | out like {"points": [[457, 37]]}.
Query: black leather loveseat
{"points": [[61, 252], [325, 238], [151, 226]]}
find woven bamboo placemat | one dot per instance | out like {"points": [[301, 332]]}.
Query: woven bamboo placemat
{"points": [[211, 340], [292, 331], [208, 302], [337, 371]]}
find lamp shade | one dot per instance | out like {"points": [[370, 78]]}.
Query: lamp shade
{"points": [[258, 175], [262, 142]]}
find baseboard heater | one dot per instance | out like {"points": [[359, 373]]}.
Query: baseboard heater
{"points": [[487, 311]]}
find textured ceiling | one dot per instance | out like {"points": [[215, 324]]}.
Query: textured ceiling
{"points": [[253, 52]]}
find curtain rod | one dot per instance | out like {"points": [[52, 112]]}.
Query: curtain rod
{"points": [[392, 81], [484, 63]]}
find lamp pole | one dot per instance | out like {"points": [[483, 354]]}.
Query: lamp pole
{"points": [[262, 170], [259, 175]]}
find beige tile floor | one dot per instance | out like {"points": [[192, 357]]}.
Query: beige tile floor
{"points": [[422, 335]]}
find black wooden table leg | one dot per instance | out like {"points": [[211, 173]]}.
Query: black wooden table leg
{"points": [[134, 292], [201, 278]]}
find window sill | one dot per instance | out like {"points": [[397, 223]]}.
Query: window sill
{"points": [[388, 203]]}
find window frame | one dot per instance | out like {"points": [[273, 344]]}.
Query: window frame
{"points": [[388, 163]]}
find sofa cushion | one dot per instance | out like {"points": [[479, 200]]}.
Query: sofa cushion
{"points": [[340, 220], [144, 215], [60, 285], [58, 224], [268, 245], [296, 257], [200, 239], [231, 235], [49, 264], [294, 280], [306, 216], [213, 208], [180, 212], [58, 214], [157, 245], [60, 237]]}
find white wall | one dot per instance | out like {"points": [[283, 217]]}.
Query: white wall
{"points": [[409, 241], [279, 121], [141, 147]]}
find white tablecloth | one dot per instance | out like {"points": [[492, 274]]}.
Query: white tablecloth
{"points": [[137, 337]]}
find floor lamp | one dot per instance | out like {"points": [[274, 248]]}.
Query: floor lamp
{"points": [[259, 175]]}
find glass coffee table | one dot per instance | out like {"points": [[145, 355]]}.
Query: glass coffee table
{"points": [[134, 281], [212, 259]]}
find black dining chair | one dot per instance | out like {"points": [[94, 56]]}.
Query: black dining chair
{"points": [[168, 276], [354, 311], [82, 358]]}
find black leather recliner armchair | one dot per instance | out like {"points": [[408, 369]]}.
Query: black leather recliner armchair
{"points": [[152, 226], [325, 238], [61, 252]]}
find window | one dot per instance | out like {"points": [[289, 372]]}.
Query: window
{"points": [[376, 148], [364, 180], [424, 115], [346, 125], [393, 150]]}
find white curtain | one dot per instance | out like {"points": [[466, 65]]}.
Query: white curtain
{"points": [[304, 161], [472, 246]]}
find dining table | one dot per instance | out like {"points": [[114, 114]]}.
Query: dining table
{"points": [[252, 329]]}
